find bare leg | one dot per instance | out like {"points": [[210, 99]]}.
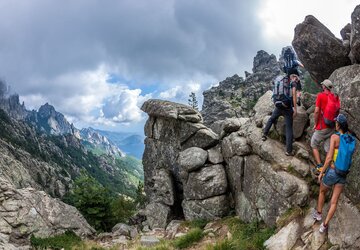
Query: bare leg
{"points": [[316, 155], [338, 188], [321, 199]]}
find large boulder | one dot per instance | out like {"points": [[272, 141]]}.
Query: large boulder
{"points": [[167, 109], [162, 189], [269, 193], [318, 49], [207, 182], [192, 158], [235, 144], [355, 35], [343, 229], [299, 123], [347, 85], [209, 209], [158, 215], [284, 239], [273, 152], [26, 212], [264, 105]]}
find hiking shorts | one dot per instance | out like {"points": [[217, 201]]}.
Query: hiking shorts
{"points": [[331, 178], [322, 136]]}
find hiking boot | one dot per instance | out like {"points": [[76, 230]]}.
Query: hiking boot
{"points": [[289, 153], [264, 138], [317, 216], [317, 170], [323, 228]]}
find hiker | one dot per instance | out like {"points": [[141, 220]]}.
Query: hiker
{"points": [[290, 67], [291, 62], [335, 169], [327, 108], [284, 97]]}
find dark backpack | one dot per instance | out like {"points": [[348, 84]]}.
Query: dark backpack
{"points": [[345, 151], [282, 94], [290, 64], [331, 110]]}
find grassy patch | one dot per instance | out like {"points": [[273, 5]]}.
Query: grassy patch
{"points": [[248, 236], [290, 215], [163, 245], [63, 241], [193, 236], [199, 223], [222, 245]]}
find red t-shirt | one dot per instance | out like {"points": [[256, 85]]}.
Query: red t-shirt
{"points": [[321, 101]]}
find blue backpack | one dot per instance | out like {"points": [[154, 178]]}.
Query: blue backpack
{"points": [[345, 152]]}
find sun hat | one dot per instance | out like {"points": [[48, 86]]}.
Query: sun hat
{"points": [[341, 119], [327, 83]]}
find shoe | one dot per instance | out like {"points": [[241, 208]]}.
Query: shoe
{"points": [[289, 153], [264, 138], [323, 228], [317, 216]]}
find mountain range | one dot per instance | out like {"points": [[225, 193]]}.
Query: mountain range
{"points": [[41, 149]]}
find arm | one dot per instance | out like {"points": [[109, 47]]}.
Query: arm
{"points": [[293, 89], [316, 116], [299, 63], [329, 155]]}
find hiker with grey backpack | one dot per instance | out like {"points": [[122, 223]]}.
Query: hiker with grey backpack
{"points": [[284, 97], [335, 169]]}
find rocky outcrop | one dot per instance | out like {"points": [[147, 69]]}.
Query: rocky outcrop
{"points": [[172, 129], [355, 35], [318, 49], [347, 85], [235, 97], [207, 176], [25, 212]]}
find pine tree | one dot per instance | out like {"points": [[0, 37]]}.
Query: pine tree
{"points": [[192, 101]]}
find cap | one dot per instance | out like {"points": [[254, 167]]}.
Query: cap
{"points": [[327, 83], [341, 119]]}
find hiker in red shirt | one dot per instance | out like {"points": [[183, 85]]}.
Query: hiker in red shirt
{"points": [[327, 108]]}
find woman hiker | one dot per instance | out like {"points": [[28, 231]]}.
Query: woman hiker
{"points": [[335, 169]]}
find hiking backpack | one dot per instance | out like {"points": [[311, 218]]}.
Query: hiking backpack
{"points": [[282, 94], [345, 152], [331, 110], [290, 63]]}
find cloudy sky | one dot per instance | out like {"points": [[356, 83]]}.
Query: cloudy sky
{"points": [[97, 61]]}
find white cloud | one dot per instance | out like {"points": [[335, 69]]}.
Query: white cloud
{"points": [[87, 97], [279, 18], [180, 93], [124, 106]]}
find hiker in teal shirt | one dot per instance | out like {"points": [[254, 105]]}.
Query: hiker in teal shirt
{"points": [[335, 169]]}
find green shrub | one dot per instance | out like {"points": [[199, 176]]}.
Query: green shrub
{"points": [[122, 209], [93, 201], [63, 241], [194, 235]]}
